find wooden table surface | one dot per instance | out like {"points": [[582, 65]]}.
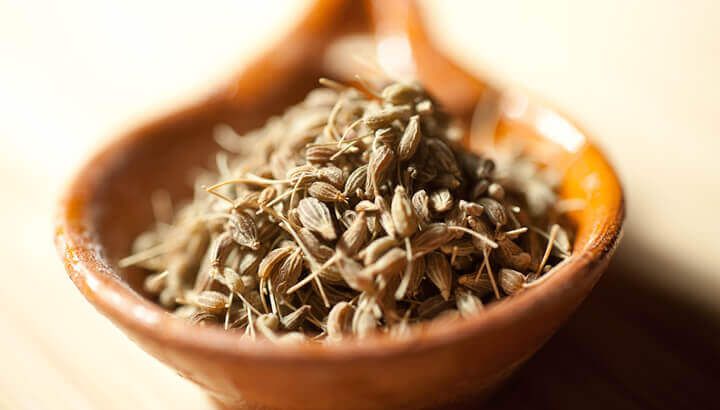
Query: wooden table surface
{"points": [[648, 337]]}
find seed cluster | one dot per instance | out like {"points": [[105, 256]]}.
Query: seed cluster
{"points": [[355, 212]]}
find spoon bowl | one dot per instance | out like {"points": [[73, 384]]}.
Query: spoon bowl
{"points": [[107, 205]]}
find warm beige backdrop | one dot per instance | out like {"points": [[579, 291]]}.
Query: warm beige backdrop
{"points": [[642, 75]]}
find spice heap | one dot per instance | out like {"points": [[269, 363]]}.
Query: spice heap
{"points": [[355, 212]]}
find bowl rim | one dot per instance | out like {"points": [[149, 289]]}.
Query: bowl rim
{"points": [[82, 254]]}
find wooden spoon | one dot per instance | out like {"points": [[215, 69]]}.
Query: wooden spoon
{"points": [[107, 205]]}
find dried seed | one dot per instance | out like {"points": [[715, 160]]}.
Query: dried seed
{"points": [[511, 255], [356, 180], [386, 219], [339, 321], [289, 272], [385, 136], [402, 213], [293, 320], [209, 301], [320, 154], [432, 306], [366, 206], [376, 249], [364, 323], [386, 116], [421, 205], [242, 228], [272, 261], [315, 216], [496, 191], [439, 272], [326, 192], [443, 156], [354, 275], [355, 236], [441, 200], [430, 238], [479, 284], [511, 281], [233, 281], [494, 210], [467, 303], [400, 93], [381, 160], [424, 108], [392, 262], [471, 208], [267, 195], [332, 175], [410, 139]]}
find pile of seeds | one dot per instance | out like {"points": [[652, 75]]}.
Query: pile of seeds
{"points": [[355, 212]]}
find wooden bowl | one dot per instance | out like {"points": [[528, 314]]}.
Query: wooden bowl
{"points": [[107, 205]]}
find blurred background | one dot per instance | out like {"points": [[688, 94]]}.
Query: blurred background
{"points": [[640, 75]]}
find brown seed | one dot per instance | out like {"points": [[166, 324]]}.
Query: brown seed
{"points": [[419, 269], [376, 249], [355, 236], [272, 261], [356, 180], [443, 156], [203, 318], [385, 136], [209, 301], [332, 175], [326, 192], [421, 205], [366, 206], [242, 228], [339, 321], [511, 255], [432, 237], [400, 93], [267, 195], [233, 281], [511, 281], [467, 303], [380, 161], [315, 216], [386, 116], [354, 275], [441, 200], [494, 210], [289, 272], [320, 154], [293, 320], [392, 262], [410, 139], [402, 213], [439, 272], [471, 208], [424, 108], [364, 323], [496, 191], [432, 306], [478, 284], [386, 219]]}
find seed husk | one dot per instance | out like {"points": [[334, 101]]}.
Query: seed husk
{"points": [[315, 216], [402, 213], [511, 281], [439, 272]]}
